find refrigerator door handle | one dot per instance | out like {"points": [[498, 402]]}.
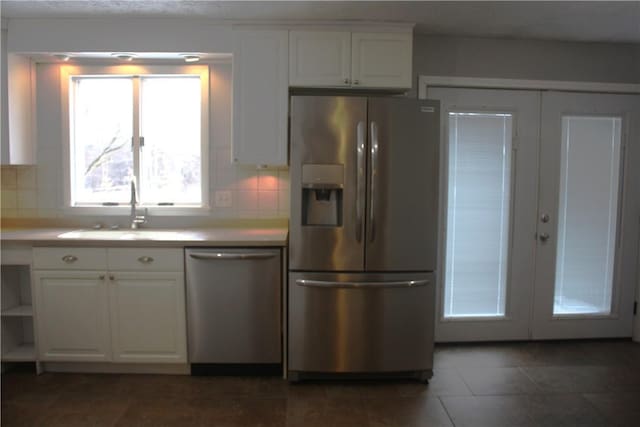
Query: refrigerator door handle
{"points": [[360, 180], [374, 173], [330, 284]]}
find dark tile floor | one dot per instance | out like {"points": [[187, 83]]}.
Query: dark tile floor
{"points": [[555, 384]]}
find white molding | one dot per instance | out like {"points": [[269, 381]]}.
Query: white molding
{"points": [[118, 368], [67, 71], [426, 81]]}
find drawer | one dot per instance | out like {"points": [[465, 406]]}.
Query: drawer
{"points": [[70, 258], [145, 259]]}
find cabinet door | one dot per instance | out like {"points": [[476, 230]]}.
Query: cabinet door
{"points": [[148, 319], [381, 60], [260, 100], [72, 315], [319, 58]]}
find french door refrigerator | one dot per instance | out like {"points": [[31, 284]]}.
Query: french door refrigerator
{"points": [[363, 235]]}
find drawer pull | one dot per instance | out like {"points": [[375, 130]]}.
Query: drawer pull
{"points": [[69, 259], [145, 259]]}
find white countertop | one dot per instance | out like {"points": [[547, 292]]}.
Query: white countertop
{"points": [[222, 237]]}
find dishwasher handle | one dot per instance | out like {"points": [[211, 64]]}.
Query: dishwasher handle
{"points": [[231, 255]]}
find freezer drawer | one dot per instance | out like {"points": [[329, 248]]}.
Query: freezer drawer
{"points": [[234, 306], [348, 323]]}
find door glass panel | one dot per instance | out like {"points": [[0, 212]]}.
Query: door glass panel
{"points": [[588, 201], [479, 194]]}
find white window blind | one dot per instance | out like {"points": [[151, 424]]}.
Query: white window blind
{"points": [[587, 220], [478, 209]]}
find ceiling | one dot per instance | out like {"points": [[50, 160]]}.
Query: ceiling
{"points": [[608, 21]]}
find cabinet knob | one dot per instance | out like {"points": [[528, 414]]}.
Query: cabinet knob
{"points": [[69, 259], [145, 259], [346, 81], [112, 277], [101, 277], [355, 82]]}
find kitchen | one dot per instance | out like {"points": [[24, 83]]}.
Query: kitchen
{"points": [[243, 195]]}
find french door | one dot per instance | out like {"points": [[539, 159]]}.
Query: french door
{"points": [[587, 217], [538, 214], [488, 204]]}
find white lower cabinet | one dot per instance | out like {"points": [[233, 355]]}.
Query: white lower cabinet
{"points": [[147, 317], [133, 311], [73, 316]]}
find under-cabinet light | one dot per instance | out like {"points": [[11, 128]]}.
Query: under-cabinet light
{"points": [[123, 56], [190, 58]]}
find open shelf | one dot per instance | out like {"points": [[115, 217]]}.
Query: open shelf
{"points": [[18, 311], [24, 352]]}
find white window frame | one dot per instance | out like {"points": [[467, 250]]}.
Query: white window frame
{"points": [[67, 72]]}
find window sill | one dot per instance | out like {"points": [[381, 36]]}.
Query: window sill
{"points": [[126, 210]]}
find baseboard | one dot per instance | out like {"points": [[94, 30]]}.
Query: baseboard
{"points": [[236, 369], [117, 368]]}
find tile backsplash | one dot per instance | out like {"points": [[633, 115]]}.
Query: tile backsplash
{"points": [[255, 193]]}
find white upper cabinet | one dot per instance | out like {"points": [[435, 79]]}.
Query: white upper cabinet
{"points": [[18, 144], [381, 60], [260, 97], [319, 58], [370, 60]]}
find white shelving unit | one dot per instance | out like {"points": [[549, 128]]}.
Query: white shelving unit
{"points": [[16, 311]]}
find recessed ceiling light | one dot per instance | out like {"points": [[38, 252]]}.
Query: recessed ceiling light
{"points": [[123, 56], [62, 56], [189, 57]]}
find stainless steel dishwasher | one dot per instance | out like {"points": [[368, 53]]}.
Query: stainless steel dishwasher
{"points": [[233, 309]]}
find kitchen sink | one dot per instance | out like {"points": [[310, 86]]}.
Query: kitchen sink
{"points": [[123, 235]]}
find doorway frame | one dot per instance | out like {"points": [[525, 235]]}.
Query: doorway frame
{"points": [[461, 82]]}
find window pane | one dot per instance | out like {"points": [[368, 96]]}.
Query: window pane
{"points": [[170, 165], [590, 163], [101, 129], [478, 214]]}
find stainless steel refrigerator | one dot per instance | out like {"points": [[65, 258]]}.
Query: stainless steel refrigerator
{"points": [[363, 235]]}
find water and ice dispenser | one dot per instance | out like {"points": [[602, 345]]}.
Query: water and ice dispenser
{"points": [[322, 187]]}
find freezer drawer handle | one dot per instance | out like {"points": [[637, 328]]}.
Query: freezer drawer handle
{"points": [[225, 256], [395, 284]]}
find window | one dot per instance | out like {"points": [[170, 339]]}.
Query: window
{"points": [[478, 212], [141, 124], [587, 219]]}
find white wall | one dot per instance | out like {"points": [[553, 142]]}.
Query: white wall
{"points": [[526, 59], [118, 35], [4, 100]]}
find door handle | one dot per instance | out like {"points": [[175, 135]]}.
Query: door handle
{"points": [[360, 187], [331, 284], [374, 173], [226, 255]]}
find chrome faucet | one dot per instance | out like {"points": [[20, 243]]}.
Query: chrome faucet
{"points": [[136, 219]]}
